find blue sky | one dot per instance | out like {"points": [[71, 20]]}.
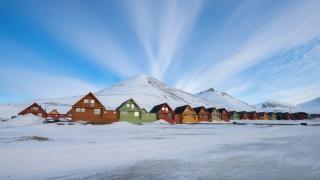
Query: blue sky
{"points": [[254, 50]]}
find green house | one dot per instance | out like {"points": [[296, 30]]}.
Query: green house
{"points": [[234, 115], [130, 111], [214, 114]]}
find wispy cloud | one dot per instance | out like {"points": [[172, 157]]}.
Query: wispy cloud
{"points": [[163, 28], [289, 28], [86, 33]]}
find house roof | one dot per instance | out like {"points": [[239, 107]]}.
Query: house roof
{"points": [[125, 102], [210, 110], [222, 109], [157, 108], [198, 109], [180, 109]]}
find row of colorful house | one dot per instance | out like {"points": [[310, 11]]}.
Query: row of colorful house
{"points": [[90, 109]]}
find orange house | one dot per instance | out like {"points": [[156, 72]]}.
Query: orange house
{"points": [[90, 109]]}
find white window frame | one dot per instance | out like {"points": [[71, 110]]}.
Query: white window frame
{"points": [[78, 109], [136, 114], [86, 101]]}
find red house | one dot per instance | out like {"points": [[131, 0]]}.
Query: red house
{"points": [[224, 114], [35, 109], [165, 112], [243, 115]]}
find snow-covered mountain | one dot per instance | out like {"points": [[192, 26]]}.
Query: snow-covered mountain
{"points": [[225, 100], [312, 106], [148, 92], [276, 106]]}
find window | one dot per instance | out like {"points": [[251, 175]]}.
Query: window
{"points": [[97, 111], [166, 109], [132, 106], [136, 114], [92, 101], [78, 109], [128, 105], [86, 101], [162, 108], [35, 108]]}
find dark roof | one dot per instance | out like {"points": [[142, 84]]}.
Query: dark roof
{"points": [[198, 109], [222, 109], [180, 109], [211, 109], [126, 102], [157, 108]]}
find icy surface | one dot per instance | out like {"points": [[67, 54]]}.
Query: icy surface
{"points": [[158, 151]]}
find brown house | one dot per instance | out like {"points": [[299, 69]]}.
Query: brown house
{"points": [[263, 116], [224, 114], [185, 114], [243, 115], [90, 109], [286, 116], [165, 112], [35, 109], [202, 113], [252, 115]]}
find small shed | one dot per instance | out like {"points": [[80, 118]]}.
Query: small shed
{"points": [[165, 112], [224, 114], [202, 113], [214, 114], [34, 109], [54, 114], [234, 115], [186, 114]]}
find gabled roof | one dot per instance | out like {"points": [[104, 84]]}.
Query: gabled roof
{"points": [[181, 109], [198, 109], [210, 110], [158, 107], [222, 109], [33, 104], [90, 93], [127, 102]]}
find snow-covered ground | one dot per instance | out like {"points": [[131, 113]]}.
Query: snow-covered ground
{"points": [[32, 150]]}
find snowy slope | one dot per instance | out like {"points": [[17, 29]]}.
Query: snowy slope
{"points": [[148, 92], [225, 100], [312, 106], [276, 106]]}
